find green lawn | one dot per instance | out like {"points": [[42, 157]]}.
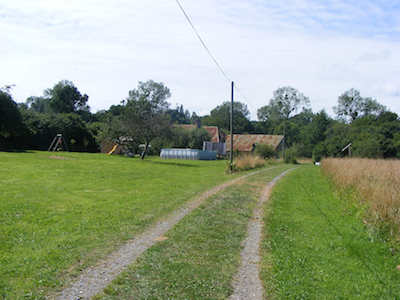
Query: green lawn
{"points": [[315, 247], [59, 215]]}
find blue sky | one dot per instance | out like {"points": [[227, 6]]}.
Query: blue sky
{"points": [[322, 48]]}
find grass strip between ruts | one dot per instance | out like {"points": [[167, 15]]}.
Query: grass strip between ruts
{"points": [[315, 247], [202, 252]]}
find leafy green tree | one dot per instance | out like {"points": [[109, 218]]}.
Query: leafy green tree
{"points": [[65, 98], [318, 128], [285, 101], [145, 114], [271, 113], [212, 121], [292, 132], [39, 104], [179, 115], [10, 116], [183, 138], [340, 135], [352, 106], [368, 145], [41, 129], [241, 114], [304, 118], [197, 137]]}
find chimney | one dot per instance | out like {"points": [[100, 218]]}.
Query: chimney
{"points": [[198, 123]]}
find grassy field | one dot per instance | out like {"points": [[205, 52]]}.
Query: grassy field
{"points": [[316, 246], [60, 213]]}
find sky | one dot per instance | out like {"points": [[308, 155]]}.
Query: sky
{"points": [[323, 48]]}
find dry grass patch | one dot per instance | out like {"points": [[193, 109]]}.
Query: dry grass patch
{"points": [[375, 184], [248, 162]]}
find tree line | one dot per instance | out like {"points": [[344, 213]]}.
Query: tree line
{"points": [[146, 118]]}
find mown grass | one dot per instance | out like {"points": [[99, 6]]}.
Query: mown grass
{"points": [[315, 246], [59, 215], [201, 254], [372, 185]]}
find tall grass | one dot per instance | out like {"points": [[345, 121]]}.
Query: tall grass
{"points": [[374, 184], [248, 162]]}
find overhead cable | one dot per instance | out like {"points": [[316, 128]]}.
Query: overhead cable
{"points": [[204, 45], [208, 51]]}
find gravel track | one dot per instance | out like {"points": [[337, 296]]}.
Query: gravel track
{"points": [[247, 284], [95, 279]]}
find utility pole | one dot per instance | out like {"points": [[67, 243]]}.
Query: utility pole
{"points": [[283, 144], [231, 156]]}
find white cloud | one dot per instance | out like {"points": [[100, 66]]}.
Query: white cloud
{"points": [[106, 47], [389, 88], [370, 57]]}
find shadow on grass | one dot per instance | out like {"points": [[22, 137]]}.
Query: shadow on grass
{"points": [[171, 163], [17, 151]]}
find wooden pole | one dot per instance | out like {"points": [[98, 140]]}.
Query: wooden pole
{"points": [[231, 125]]}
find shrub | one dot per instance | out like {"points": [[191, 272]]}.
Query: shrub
{"points": [[291, 155], [264, 150], [230, 168]]}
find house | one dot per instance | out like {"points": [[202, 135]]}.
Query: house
{"points": [[217, 135], [241, 142]]}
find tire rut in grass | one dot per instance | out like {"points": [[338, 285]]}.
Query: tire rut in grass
{"points": [[95, 279], [247, 284]]}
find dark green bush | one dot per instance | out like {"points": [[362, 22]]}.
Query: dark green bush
{"points": [[264, 151]]}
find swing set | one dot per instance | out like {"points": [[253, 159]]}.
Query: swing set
{"points": [[57, 143]]}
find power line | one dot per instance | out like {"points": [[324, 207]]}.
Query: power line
{"points": [[212, 57], [204, 45]]}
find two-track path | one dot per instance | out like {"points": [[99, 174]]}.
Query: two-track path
{"points": [[247, 284], [95, 279]]}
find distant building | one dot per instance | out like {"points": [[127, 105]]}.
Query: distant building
{"points": [[241, 142], [217, 135]]}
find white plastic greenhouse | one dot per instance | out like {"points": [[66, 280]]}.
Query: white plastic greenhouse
{"points": [[188, 154]]}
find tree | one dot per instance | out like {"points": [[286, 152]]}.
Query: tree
{"points": [[318, 128], [41, 129], [38, 104], [212, 121], [10, 117], [285, 101], [65, 98], [179, 115], [352, 106], [144, 117], [241, 114], [182, 138]]}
